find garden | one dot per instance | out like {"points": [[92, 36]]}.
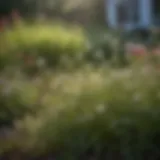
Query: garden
{"points": [[69, 92]]}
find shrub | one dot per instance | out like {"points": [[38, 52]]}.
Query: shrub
{"points": [[119, 118], [16, 100], [100, 51], [26, 44], [102, 45]]}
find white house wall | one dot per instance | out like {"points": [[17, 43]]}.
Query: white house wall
{"points": [[145, 17], [145, 13], [111, 13]]}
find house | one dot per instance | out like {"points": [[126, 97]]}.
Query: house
{"points": [[132, 14]]}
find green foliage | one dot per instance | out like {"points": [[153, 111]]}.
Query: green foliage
{"points": [[102, 44], [26, 45], [16, 99], [104, 112], [119, 116], [69, 10], [25, 7]]}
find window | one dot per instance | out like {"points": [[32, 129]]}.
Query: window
{"points": [[156, 11], [127, 11], [134, 9], [122, 12]]}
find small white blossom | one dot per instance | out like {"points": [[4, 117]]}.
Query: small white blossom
{"points": [[137, 97], [99, 54], [41, 62], [88, 45], [100, 108]]}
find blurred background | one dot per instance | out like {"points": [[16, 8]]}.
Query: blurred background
{"points": [[74, 11], [78, 81]]}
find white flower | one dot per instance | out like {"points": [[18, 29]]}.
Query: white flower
{"points": [[88, 45], [41, 62], [99, 54], [137, 97], [100, 108]]}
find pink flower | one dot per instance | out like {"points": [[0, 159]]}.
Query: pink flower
{"points": [[156, 51], [136, 50]]}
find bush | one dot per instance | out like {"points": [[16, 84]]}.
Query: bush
{"points": [[16, 100], [26, 45], [102, 45], [118, 118]]}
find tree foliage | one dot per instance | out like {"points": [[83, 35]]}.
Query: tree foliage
{"points": [[79, 10]]}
